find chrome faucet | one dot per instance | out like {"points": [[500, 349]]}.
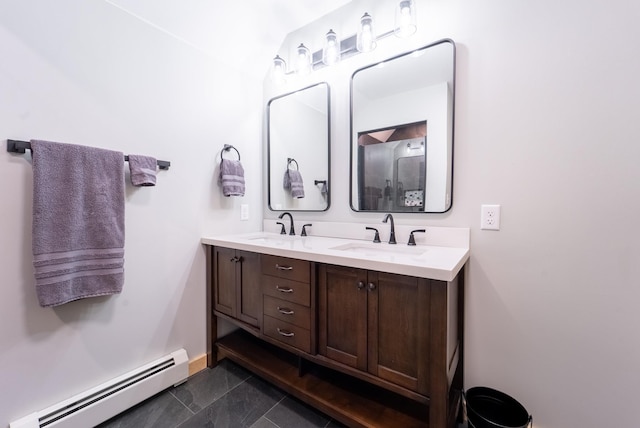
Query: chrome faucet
{"points": [[392, 236], [292, 231]]}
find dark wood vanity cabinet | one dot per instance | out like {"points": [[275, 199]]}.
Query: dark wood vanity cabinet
{"points": [[371, 349], [376, 322], [237, 292]]}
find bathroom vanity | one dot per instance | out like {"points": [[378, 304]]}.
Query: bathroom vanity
{"points": [[370, 334]]}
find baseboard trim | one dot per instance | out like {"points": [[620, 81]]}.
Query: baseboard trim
{"points": [[197, 364]]}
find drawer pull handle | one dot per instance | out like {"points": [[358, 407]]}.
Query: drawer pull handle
{"points": [[283, 267], [285, 311], [285, 333], [284, 289]]}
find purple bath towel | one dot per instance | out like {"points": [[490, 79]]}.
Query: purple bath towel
{"points": [[231, 177], [292, 181], [143, 170], [78, 222]]}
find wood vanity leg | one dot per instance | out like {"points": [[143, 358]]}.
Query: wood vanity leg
{"points": [[212, 320], [439, 394], [458, 379]]}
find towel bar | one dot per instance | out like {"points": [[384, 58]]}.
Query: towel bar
{"points": [[17, 146]]}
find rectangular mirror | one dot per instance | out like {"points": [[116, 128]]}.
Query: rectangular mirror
{"points": [[298, 148], [402, 132]]}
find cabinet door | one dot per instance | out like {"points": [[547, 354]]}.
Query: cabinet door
{"points": [[249, 293], [237, 286], [399, 329], [224, 281], [343, 315]]}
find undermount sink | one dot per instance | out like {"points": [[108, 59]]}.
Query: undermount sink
{"points": [[270, 239], [380, 250]]}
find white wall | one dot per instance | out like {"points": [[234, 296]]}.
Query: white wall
{"points": [[91, 73], [546, 105]]}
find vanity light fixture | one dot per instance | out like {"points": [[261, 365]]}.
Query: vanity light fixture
{"points": [[331, 49], [334, 49], [279, 70], [366, 38], [405, 18], [303, 61]]}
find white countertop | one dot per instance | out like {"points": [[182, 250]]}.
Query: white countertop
{"points": [[426, 261]]}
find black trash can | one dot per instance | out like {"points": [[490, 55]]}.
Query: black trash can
{"points": [[489, 408]]}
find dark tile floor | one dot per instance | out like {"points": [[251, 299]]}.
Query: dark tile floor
{"points": [[225, 396]]}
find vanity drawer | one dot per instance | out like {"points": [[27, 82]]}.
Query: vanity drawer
{"points": [[283, 267], [287, 311], [291, 291], [287, 333]]}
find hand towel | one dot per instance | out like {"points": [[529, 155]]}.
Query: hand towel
{"points": [[78, 222], [324, 189], [292, 181], [143, 170], [231, 177]]}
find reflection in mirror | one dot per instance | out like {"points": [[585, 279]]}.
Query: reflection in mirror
{"points": [[298, 150], [402, 132], [392, 168]]}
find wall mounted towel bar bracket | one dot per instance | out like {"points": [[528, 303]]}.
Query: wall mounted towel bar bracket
{"points": [[17, 146]]}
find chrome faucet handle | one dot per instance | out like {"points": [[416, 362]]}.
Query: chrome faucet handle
{"points": [[304, 231], [282, 230], [376, 238], [412, 239]]}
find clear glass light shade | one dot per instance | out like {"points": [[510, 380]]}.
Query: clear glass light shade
{"points": [[405, 18], [331, 48], [303, 60], [279, 69], [366, 37]]}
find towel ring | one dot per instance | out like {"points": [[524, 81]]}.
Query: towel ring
{"points": [[228, 147], [289, 160]]}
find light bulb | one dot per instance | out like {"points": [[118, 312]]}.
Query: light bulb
{"points": [[279, 69], [366, 38], [304, 60], [331, 49], [405, 18]]}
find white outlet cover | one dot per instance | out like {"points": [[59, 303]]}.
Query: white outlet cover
{"points": [[490, 217]]}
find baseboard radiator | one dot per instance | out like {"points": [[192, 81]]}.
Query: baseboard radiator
{"points": [[110, 398]]}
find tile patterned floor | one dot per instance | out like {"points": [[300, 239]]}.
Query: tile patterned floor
{"points": [[226, 396]]}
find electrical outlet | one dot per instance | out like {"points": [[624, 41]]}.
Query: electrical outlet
{"points": [[244, 212], [490, 217]]}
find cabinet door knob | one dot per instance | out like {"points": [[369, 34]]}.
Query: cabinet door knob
{"points": [[360, 285], [285, 333], [285, 311], [283, 267], [284, 289], [372, 286], [235, 259]]}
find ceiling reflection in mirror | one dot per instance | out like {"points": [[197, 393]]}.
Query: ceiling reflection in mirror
{"points": [[402, 132], [298, 149]]}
